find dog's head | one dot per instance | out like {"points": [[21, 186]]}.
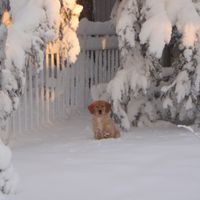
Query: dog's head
{"points": [[99, 108]]}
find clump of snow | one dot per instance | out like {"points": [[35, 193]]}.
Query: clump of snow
{"points": [[188, 54], [69, 42], [33, 25], [157, 19], [161, 16], [8, 80], [167, 103], [189, 105], [184, 15], [5, 156], [125, 18], [183, 86], [8, 177], [119, 85], [99, 92], [9, 180], [5, 104], [141, 112]]}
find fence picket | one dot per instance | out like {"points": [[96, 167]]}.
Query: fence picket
{"points": [[86, 79]]}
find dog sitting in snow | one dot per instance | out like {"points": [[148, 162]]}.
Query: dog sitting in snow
{"points": [[103, 126]]}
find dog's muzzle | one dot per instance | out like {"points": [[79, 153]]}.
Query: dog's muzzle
{"points": [[100, 112]]}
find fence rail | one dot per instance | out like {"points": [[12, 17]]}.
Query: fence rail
{"points": [[60, 87]]}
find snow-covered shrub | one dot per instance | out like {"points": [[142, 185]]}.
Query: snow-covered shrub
{"points": [[142, 91], [8, 177], [34, 23]]}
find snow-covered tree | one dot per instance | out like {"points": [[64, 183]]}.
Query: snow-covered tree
{"points": [[143, 91], [34, 23], [26, 27]]}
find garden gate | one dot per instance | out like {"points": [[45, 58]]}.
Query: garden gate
{"points": [[59, 88]]}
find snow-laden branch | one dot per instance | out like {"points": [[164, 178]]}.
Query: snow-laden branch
{"points": [[157, 28], [161, 16], [125, 19], [34, 23], [184, 16]]}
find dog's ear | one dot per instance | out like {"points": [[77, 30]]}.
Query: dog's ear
{"points": [[91, 108], [108, 107]]}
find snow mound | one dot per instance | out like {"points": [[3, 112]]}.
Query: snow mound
{"points": [[5, 156], [8, 177], [9, 180]]}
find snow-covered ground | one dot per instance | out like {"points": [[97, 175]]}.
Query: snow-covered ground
{"points": [[64, 162]]}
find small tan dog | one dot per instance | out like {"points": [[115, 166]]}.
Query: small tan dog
{"points": [[103, 126]]}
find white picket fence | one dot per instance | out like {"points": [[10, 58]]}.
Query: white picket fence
{"points": [[60, 88]]}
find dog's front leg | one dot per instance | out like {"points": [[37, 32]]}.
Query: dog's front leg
{"points": [[98, 134], [106, 134]]}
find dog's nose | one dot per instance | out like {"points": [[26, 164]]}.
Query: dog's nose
{"points": [[100, 112]]}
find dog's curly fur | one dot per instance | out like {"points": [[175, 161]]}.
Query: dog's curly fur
{"points": [[103, 126]]}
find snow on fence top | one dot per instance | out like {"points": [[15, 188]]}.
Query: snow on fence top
{"points": [[87, 27], [97, 35]]}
